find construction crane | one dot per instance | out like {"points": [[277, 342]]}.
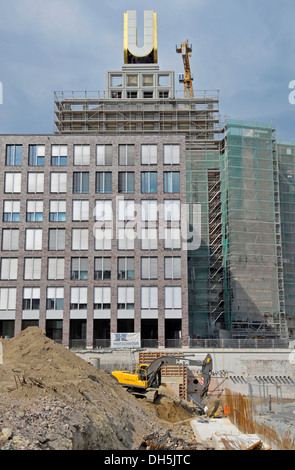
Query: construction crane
{"points": [[186, 78]]}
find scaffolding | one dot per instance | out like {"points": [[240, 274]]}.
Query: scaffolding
{"points": [[92, 113], [236, 277], [254, 288], [286, 162], [206, 264]]}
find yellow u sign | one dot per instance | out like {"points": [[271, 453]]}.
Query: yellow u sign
{"points": [[148, 54]]}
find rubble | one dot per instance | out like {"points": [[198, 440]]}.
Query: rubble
{"points": [[51, 399]]}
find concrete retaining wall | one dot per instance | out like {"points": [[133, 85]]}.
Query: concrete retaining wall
{"points": [[240, 366]]}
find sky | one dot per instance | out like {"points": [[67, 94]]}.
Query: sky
{"points": [[243, 48]]}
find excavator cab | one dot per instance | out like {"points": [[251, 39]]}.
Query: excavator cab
{"points": [[141, 370]]}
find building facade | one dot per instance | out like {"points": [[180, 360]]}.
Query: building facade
{"points": [[91, 237], [141, 148]]}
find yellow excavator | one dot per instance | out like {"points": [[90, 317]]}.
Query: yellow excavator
{"points": [[146, 379]]}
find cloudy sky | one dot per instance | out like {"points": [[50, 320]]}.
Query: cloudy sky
{"points": [[244, 48]]}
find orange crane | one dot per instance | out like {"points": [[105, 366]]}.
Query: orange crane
{"points": [[186, 78]]}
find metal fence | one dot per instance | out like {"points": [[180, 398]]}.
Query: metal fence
{"points": [[193, 344]]}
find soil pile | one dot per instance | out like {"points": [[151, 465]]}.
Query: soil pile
{"points": [[52, 399]]}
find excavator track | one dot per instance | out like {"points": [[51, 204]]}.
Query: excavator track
{"points": [[149, 395]]}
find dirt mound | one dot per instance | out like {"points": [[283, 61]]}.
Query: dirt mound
{"points": [[171, 408], [52, 399]]}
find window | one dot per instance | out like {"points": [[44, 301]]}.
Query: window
{"points": [[81, 155], [172, 182], [125, 298], [126, 268], [59, 155], [132, 80], [32, 270], [13, 183], [148, 80], [149, 154], [103, 211], [149, 182], [33, 239], [149, 298], [7, 299], [126, 182], [163, 80], [78, 298], [103, 238], [81, 183], [126, 238], [9, 269], [149, 268], [102, 268], [104, 155], [116, 80], [102, 298], [172, 210], [172, 268], [31, 298], [80, 239], [126, 210], [132, 94], [116, 94], [57, 211], [55, 298], [172, 239], [127, 155], [56, 239], [173, 298], [10, 239], [171, 155], [13, 155], [35, 183], [80, 211], [149, 239], [11, 211], [34, 211], [79, 269], [56, 269], [149, 211], [148, 94], [103, 183], [58, 183], [36, 155]]}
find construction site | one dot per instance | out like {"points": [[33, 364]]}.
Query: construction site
{"points": [[147, 342], [55, 399]]}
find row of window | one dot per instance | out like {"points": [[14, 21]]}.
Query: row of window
{"points": [[82, 155], [101, 299], [126, 210], [134, 80], [103, 238], [79, 268], [103, 182]]}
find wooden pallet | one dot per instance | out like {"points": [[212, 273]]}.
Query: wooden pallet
{"points": [[168, 371]]}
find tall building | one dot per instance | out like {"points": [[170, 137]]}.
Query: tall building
{"points": [[91, 238], [142, 148]]}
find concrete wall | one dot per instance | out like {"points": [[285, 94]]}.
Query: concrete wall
{"points": [[239, 366]]}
